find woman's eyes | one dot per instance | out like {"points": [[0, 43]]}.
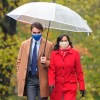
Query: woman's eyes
{"points": [[63, 40]]}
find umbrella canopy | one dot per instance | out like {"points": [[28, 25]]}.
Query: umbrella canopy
{"points": [[50, 15]]}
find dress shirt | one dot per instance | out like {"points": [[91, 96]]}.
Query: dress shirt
{"points": [[33, 44]]}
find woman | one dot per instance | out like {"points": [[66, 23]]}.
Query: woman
{"points": [[65, 72]]}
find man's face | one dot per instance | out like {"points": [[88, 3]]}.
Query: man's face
{"points": [[36, 31]]}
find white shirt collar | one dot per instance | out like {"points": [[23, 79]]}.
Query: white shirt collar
{"points": [[33, 40]]}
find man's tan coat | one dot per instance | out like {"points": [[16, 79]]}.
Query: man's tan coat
{"points": [[22, 67]]}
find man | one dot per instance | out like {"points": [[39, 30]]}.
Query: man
{"points": [[32, 68]]}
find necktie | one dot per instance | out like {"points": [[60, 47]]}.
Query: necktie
{"points": [[34, 60]]}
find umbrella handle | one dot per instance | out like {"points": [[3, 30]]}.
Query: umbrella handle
{"points": [[46, 40]]}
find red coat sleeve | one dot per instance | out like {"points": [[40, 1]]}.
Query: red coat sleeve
{"points": [[51, 71], [79, 72]]}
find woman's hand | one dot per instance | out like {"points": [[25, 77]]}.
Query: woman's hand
{"points": [[51, 88], [82, 92]]}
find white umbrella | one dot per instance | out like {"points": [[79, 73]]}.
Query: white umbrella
{"points": [[50, 15]]}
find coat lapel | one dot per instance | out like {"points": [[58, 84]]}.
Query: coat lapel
{"points": [[29, 43], [41, 48], [42, 44]]}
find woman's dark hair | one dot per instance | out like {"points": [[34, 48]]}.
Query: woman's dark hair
{"points": [[37, 25], [56, 47]]}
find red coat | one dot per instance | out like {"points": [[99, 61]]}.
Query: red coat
{"points": [[66, 74]]}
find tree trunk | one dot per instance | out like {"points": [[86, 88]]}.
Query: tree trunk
{"points": [[7, 24]]}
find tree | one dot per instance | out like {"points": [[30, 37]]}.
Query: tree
{"points": [[7, 24], [88, 45]]}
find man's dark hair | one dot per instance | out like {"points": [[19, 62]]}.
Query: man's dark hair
{"points": [[37, 25], [56, 47]]}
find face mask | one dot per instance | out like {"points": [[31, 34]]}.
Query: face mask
{"points": [[64, 45], [36, 36]]}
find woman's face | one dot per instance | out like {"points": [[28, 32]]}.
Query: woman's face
{"points": [[64, 43], [64, 39]]}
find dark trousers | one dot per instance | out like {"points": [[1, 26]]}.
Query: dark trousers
{"points": [[33, 88]]}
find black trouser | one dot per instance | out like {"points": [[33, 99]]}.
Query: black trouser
{"points": [[33, 88]]}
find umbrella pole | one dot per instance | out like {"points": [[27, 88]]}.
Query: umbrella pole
{"points": [[46, 39]]}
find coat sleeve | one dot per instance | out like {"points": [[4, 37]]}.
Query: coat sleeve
{"points": [[51, 71], [79, 73], [19, 58], [48, 57]]}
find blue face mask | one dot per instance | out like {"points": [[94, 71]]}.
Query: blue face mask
{"points": [[36, 36]]}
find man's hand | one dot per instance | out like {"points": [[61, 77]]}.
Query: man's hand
{"points": [[82, 92], [43, 60]]}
